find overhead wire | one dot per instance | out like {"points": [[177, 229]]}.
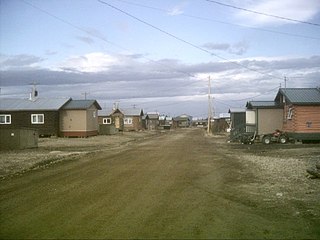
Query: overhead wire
{"points": [[264, 14], [186, 42], [109, 42], [221, 22]]}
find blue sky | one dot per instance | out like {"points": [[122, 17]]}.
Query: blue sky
{"points": [[76, 46]]}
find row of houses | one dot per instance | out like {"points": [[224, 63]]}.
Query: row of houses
{"points": [[134, 119], [295, 111], [66, 117]]}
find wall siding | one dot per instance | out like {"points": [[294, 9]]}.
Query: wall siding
{"points": [[305, 119], [22, 119]]}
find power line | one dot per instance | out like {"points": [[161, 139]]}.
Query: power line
{"points": [[222, 22], [185, 41], [264, 14]]}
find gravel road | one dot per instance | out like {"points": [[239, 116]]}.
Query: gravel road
{"points": [[177, 185]]}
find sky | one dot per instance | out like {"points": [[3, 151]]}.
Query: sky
{"points": [[159, 55]]}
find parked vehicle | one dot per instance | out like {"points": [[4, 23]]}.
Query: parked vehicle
{"points": [[277, 136]]}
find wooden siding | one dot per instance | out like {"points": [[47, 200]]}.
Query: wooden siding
{"points": [[305, 119], [22, 119], [136, 124]]}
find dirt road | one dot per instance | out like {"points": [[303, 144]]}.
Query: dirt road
{"points": [[180, 184]]}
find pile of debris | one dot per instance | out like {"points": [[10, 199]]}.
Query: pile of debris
{"points": [[315, 172]]}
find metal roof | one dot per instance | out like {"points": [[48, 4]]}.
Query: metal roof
{"points": [[300, 95], [237, 110], [263, 104], [81, 104], [132, 111], [14, 104]]}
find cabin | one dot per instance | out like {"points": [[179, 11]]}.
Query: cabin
{"points": [[264, 117], [183, 121], [132, 120], [152, 121], [301, 112], [110, 121], [40, 114], [79, 118]]}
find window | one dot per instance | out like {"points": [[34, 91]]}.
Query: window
{"points": [[37, 118], [94, 114], [106, 120], [5, 119], [290, 112], [128, 121]]}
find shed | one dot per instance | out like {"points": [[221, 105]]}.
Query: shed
{"points": [[301, 112], [22, 138], [263, 117], [79, 118]]}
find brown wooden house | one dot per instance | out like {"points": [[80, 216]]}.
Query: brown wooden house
{"points": [[301, 112], [132, 119], [40, 114]]}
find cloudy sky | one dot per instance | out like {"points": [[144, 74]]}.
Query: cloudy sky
{"points": [[158, 55]]}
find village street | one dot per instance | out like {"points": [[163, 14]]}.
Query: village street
{"points": [[179, 184]]}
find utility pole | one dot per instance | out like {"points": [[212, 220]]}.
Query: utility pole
{"points": [[85, 95], [209, 106]]}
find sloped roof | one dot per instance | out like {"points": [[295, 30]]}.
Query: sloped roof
{"points": [[132, 111], [42, 104], [81, 104], [152, 115], [263, 104], [304, 96], [237, 110]]}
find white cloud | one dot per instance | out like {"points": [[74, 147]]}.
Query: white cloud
{"points": [[299, 9], [177, 10], [91, 62]]}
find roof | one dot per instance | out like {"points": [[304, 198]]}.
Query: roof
{"points": [[237, 110], [304, 96], [263, 104], [152, 115], [132, 111], [183, 117], [81, 104], [14, 104]]}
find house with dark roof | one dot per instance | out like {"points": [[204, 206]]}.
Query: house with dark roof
{"points": [[301, 112], [263, 117], [40, 114], [152, 121], [79, 118], [182, 121]]}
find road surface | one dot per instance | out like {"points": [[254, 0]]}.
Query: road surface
{"points": [[176, 185]]}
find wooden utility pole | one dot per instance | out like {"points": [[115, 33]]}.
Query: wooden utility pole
{"points": [[209, 106]]}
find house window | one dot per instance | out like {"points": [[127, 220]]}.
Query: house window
{"points": [[290, 112], [94, 114], [127, 121], [5, 119], [106, 120], [37, 118]]}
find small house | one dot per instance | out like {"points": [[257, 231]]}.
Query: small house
{"points": [[263, 117], [110, 121], [41, 114], [183, 121], [79, 118], [301, 112], [152, 121], [132, 119]]}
